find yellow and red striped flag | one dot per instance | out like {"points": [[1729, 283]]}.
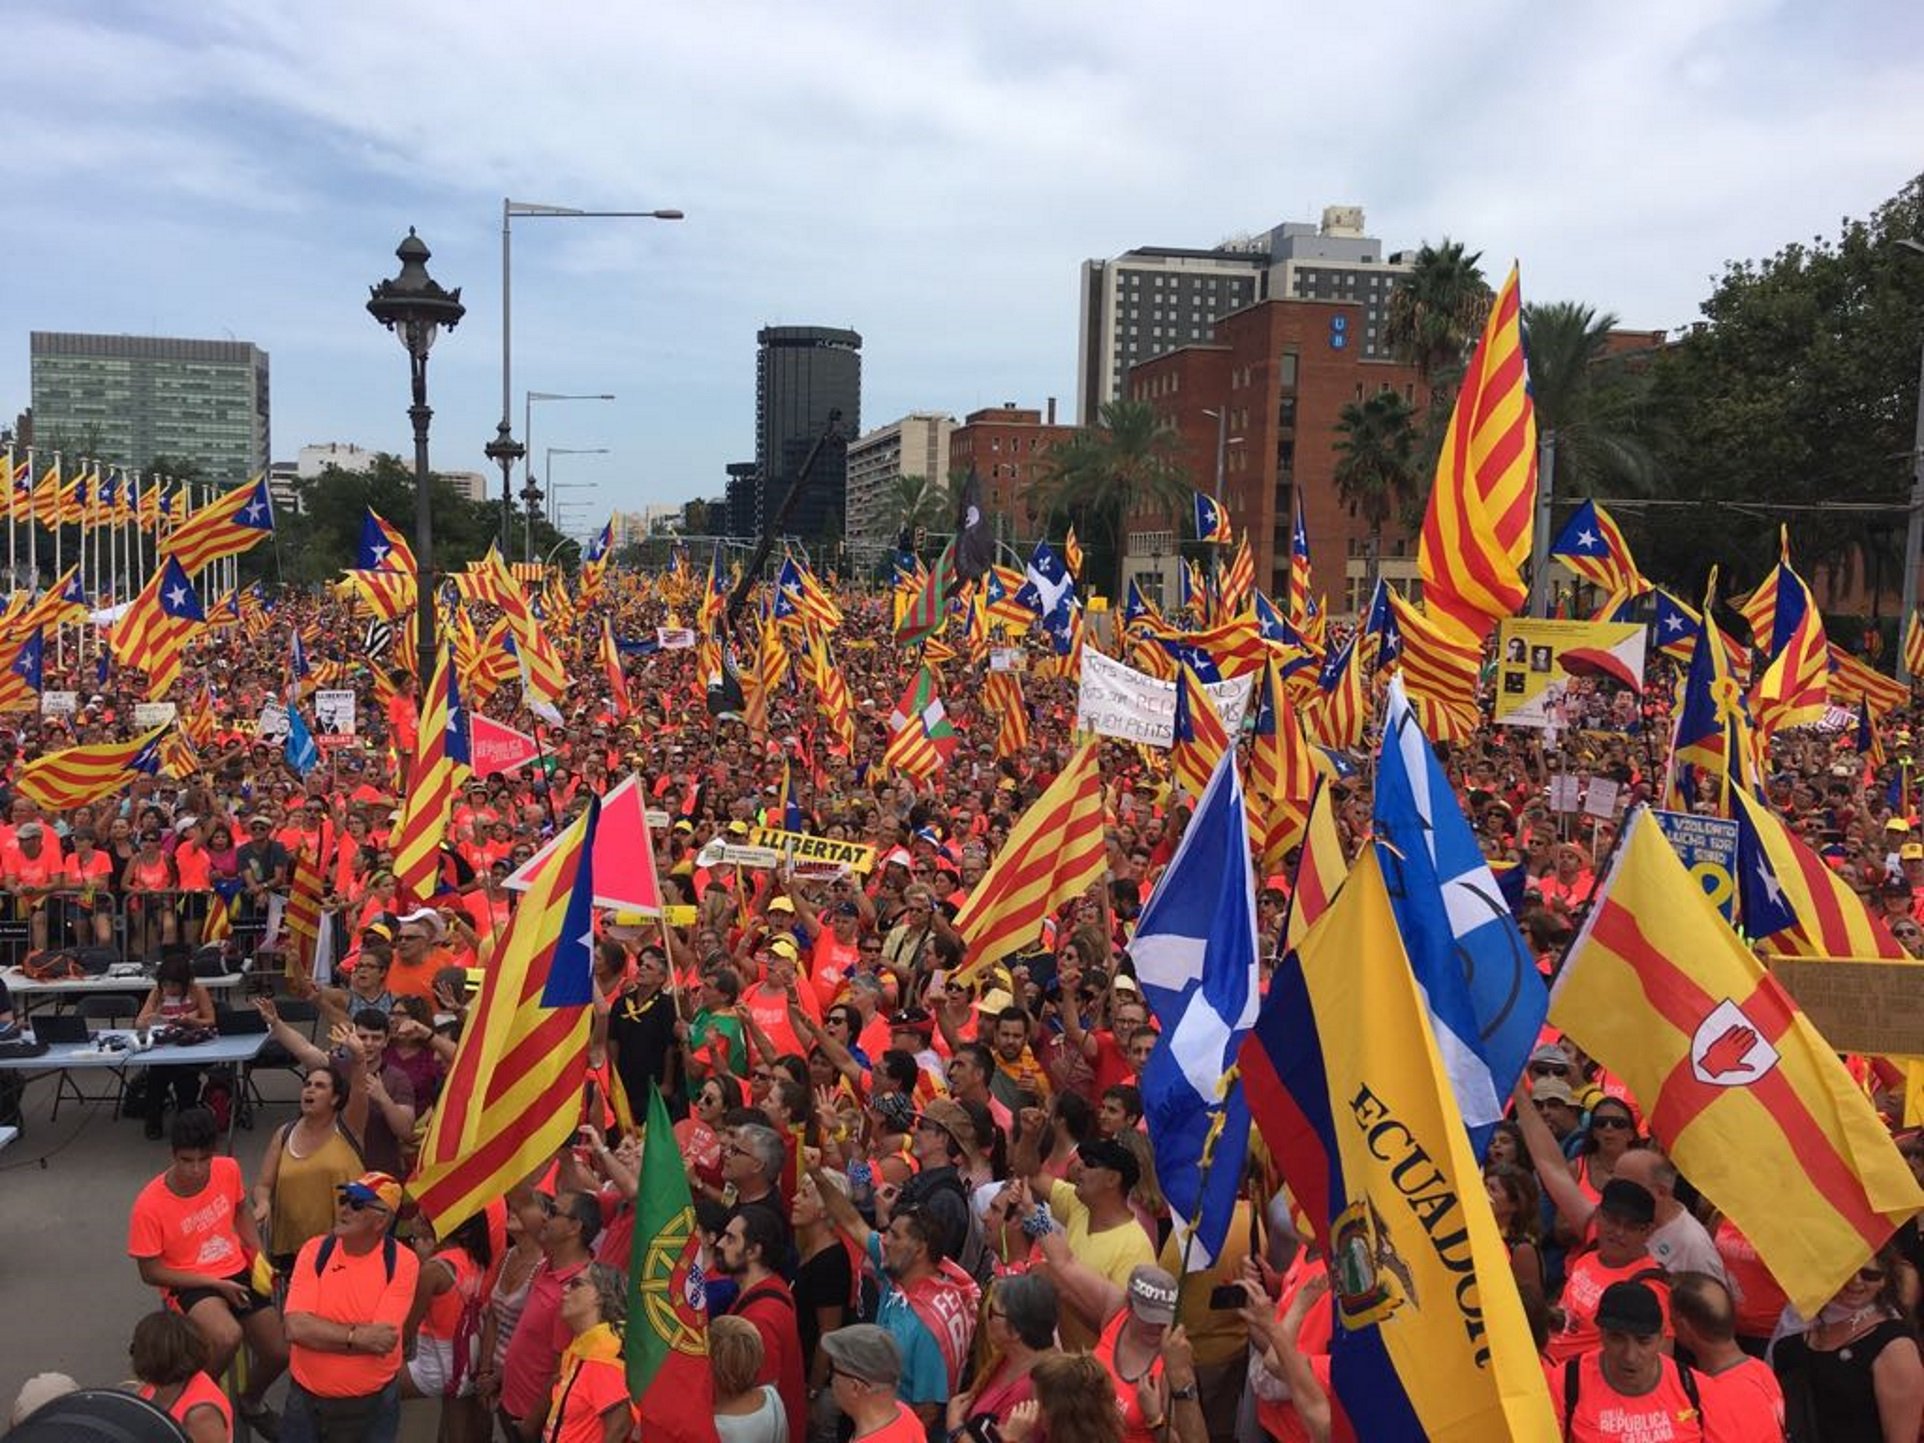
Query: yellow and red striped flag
{"points": [[1854, 679], [1002, 700], [63, 603], [1321, 868], [611, 668], [1072, 554], [423, 823], [1198, 739], [1239, 583], [303, 916], [21, 682], [219, 923], [1914, 649], [1744, 1094], [1794, 689], [80, 776], [1477, 531], [1440, 671], [513, 1093], [832, 686], [922, 737], [156, 627], [237, 522], [543, 678], [1054, 854], [1282, 777], [1340, 709]]}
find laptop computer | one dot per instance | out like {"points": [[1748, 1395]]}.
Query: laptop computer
{"points": [[54, 1027], [239, 1021]]}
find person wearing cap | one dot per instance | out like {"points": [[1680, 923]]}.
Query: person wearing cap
{"points": [[419, 953], [865, 1375], [927, 1303], [264, 867], [764, 1006], [1136, 1318], [1099, 1228], [1742, 1397], [1628, 1388], [348, 1297], [943, 1140], [1623, 1220], [190, 1233], [33, 866]]}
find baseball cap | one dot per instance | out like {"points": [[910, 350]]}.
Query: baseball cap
{"points": [[1552, 1089], [866, 1353], [780, 904], [1550, 1054], [1630, 1201], [912, 1019], [845, 909], [783, 946], [1629, 1308], [1897, 824], [1105, 1152], [898, 857], [376, 1188], [1910, 851], [1152, 1294]]}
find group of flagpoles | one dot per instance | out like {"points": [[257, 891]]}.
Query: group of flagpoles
{"points": [[128, 560]]}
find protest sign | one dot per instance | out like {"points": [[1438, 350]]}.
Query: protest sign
{"points": [[802, 849], [674, 638], [1566, 793], [1118, 701], [1870, 1006], [1708, 847], [1569, 675], [151, 714], [1600, 799], [334, 714], [272, 725], [1007, 658], [59, 703]]}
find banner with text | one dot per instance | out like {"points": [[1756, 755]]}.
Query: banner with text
{"points": [[1569, 675], [1118, 701]]}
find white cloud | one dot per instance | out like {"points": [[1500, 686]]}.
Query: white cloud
{"points": [[932, 177]]}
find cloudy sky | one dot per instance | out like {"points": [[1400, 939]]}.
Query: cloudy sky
{"points": [[929, 175]]}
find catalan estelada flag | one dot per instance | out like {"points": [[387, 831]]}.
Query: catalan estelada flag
{"points": [[1744, 1094], [80, 776], [1321, 868], [65, 602], [154, 630], [543, 678], [1828, 918], [438, 743], [1239, 582], [1339, 711], [513, 1094], [1198, 739], [611, 669], [1914, 648], [1212, 521], [1711, 734], [1477, 530], [1794, 688], [1282, 777], [21, 682], [1854, 679], [237, 522], [1440, 669], [1348, 1088], [1054, 854], [595, 564], [1592, 545]]}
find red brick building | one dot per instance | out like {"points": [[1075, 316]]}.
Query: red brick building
{"points": [[1008, 446], [1281, 372]]}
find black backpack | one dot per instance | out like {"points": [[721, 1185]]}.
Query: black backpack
{"points": [[390, 1249]]}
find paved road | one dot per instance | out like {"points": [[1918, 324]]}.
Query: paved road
{"points": [[72, 1295]]}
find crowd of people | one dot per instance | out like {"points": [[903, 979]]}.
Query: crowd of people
{"points": [[926, 1195]]}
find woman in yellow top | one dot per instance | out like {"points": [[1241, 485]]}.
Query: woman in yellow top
{"points": [[306, 1162], [591, 1402]]}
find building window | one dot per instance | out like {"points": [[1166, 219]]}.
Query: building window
{"points": [[1287, 368]]}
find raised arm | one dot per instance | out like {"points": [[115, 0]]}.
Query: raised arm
{"points": [[1553, 1171]]}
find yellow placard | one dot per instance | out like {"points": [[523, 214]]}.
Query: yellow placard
{"points": [[801, 847], [1569, 675]]}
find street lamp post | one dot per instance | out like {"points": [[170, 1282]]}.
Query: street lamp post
{"points": [[504, 450], [527, 413], [1914, 527], [532, 493], [415, 307]]}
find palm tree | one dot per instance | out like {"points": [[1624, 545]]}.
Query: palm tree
{"points": [[1131, 460], [1436, 311], [915, 501], [1595, 405], [1376, 467]]}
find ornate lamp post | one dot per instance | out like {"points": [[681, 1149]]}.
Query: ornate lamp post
{"points": [[416, 307]]}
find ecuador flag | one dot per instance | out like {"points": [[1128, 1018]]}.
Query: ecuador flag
{"points": [[1346, 1084], [1749, 1100]]}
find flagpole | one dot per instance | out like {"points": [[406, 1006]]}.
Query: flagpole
{"points": [[33, 536], [547, 772], [59, 630]]}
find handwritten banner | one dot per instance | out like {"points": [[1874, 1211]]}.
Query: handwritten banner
{"points": [[1115, 700]]}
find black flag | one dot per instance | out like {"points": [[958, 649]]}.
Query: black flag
{"points": [[974, 544]]}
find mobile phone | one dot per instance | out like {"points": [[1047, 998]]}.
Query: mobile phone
{"points": [[1228, 1298], [982, 1429]]}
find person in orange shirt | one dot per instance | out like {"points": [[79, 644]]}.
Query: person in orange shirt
{"points": [[1743, 1401], [590, 1401], [90, 875], [167, 1357], [1628, 1388], [194, 874], [348, 1297], [418, 954], [34, 867]]}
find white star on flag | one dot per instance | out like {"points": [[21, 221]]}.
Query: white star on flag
{"points": [[177, 598]]}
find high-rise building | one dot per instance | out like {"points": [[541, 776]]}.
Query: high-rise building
{"points": [[1147, 302], [743, 499], [1261, 400], [804, 375], [916, 445], [129, 399], [1008, 447]]}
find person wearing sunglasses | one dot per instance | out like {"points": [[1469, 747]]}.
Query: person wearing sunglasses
{"points": [[348, 1297], [1855, 1372]]}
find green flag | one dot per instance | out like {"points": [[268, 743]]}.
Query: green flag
{"points": [[666, 1342]]}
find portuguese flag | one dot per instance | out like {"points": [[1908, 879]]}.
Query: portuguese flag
{"points": [[667, 1336]]}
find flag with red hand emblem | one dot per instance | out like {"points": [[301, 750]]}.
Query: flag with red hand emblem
{"points": [[1743, 1092]]}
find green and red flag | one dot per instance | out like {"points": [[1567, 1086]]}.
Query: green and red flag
{"points": [[666, 1341], [928, 606]]}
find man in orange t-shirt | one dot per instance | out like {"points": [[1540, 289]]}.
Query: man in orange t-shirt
{"points": [[1742, 1398], [348, 1296], [192, 1233]]}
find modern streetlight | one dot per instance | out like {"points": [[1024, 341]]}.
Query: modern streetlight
{"points": [[532, 493], [415, 307], [504, 450], [527, 410], [1914, 530]]}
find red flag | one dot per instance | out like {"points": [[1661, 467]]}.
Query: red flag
{"points": [[497, 748]]}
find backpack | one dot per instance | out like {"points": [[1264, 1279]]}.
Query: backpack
{"points": [[49, 965], [1573, 1372], [390, 1249]]}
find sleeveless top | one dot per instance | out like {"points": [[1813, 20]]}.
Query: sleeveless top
{"points": [[767, 1424], [1842, 1394], [507, 1308], [201, 1390], [444, 1311], [1135, 1427], [304, 1195]]}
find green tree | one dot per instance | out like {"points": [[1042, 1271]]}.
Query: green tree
{"points": [[912, 501], [1597, 405], [1376, 467], [1131, 461], [1798, 389], [1435, 313]]}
